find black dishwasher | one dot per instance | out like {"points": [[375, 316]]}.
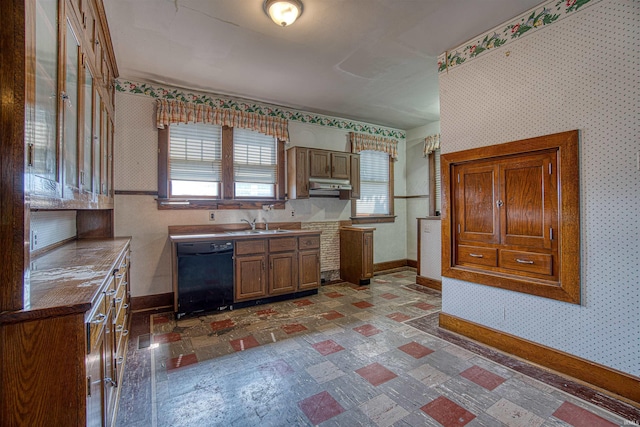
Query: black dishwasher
{"points": [[205, 276]]}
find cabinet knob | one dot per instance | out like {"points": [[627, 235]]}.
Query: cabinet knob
{"points": [[499, 203]]}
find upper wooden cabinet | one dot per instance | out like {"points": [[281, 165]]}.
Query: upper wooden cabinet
{"points": [[304, 163], [329, 164], [511, 217], [70, 72]]}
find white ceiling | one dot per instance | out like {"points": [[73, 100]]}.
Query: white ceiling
{"points": [[368, 60]]}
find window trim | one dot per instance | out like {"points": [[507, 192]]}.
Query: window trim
{"points": [[432, 183], [377, 219], [228, 200]]}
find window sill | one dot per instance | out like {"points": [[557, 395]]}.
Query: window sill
{"points": [[378, 219], [213, 204]]}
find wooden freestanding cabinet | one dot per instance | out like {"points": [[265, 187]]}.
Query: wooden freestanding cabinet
{"points": [[356, 254]]}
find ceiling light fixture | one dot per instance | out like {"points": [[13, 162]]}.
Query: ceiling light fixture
{"points": [[283, 12]]}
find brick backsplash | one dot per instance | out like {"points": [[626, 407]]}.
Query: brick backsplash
{"points": [[329, 247]]}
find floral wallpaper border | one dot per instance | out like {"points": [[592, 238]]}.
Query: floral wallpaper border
{"points": [[527, 23], [219, 101]]}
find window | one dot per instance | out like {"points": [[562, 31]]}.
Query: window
{"points": [[254, 164], [195, 160], [206, 166], [376, 187]]}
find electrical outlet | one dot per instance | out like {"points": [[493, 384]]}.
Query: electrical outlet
{"points": [[34, 239], [293, 213], [212, 216]]}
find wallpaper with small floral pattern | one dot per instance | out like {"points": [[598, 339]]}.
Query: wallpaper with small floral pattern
{"points": [[218, 101], [541, 16]]}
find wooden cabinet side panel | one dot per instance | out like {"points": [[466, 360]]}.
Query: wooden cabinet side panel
{"points": [[13, 250], [43, 372], [350, 255], [355, 176]]}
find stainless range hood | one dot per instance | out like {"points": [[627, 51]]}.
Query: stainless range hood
{"points": [[329, 184]]}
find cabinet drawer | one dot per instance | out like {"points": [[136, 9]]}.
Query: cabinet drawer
{"points": [[283, 244], [308, 242], [253, 246], [120, 297], [96, 323], [527, 261], [121, 328], [477, 255]]}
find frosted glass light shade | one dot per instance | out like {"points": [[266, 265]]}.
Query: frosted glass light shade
{"points": [[283, 12]]}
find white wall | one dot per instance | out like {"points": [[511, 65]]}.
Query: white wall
{"points": [[417, 183], [582, 72], [137, 216]]}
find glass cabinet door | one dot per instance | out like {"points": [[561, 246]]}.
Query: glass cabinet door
{"points": [[104, 152], [97, 102], [70, 107], [44, 133], [87, 164]]}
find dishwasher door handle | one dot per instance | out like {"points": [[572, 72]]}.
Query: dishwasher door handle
{"points": [[227, 251]]}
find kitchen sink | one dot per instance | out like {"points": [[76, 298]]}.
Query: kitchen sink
{"points": [[251, 232]]}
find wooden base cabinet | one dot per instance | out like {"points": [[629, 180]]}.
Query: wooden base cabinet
{"points": [[266, 267], [356, 255], [62, 365]]}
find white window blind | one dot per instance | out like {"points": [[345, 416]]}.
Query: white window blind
{"points": [[195, 159], [254, 163], [374, 183], [436, 155]]}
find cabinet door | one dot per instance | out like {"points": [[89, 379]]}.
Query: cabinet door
{"points": [[86, 174], [110, 157], [475, 199], [97, 112], [70, 98], [283, 278], [109, 365], [355, 176], [319, 164], [367, 255], [340, 165], [302, 174], [250, 277], [528, 200], [42, 123], [309, 269], [95, 381], [104, 151]]}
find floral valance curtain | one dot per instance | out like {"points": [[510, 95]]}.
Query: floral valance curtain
{"points": [[360, 142], [171, 111], [431, 144]]}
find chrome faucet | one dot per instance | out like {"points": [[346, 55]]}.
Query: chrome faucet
{"points": [[252, 224], [266, 225]]}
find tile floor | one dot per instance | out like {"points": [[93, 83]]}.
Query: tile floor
{"points": [[345, 357]]}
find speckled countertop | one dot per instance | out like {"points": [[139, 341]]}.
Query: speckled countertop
{"points": [[68, 279]]}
